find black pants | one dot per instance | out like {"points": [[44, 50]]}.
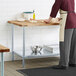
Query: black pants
{"points": [[68, 48]]}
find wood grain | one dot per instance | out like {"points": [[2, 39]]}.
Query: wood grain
{"points": [[32, 23], [4, 49]]}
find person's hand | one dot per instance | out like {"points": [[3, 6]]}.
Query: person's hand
{"points": [[48, 20], [59, 19]]}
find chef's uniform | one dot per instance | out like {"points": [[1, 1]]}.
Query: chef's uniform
{"points": [[67, 30]]}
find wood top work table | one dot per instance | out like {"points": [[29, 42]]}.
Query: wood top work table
{"points": [[25, 54], [2, 50], [31, 23]]}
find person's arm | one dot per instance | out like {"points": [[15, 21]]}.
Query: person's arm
{"points": [[54, 10]]}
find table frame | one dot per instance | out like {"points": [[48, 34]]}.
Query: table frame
{"points": [[23, 58], [2, 64], [13, 52]]}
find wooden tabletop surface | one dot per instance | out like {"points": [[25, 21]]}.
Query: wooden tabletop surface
{"points": [[31, 23], [4, 49]]}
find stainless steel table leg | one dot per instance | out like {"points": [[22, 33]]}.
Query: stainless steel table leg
{"points": [[12, 42], [23, 47], [2, 65]]}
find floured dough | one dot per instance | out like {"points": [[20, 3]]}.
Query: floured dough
{"points": [[33, 21]]}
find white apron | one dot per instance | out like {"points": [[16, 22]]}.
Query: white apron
{"points": [[63, 16]]}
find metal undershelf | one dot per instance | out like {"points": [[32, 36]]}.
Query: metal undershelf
{"points": [[44, 54]]}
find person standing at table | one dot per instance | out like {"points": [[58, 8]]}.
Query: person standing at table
{"points": [[68, 44]]}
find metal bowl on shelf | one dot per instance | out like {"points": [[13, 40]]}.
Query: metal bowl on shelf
{"points": [[36, 49]]}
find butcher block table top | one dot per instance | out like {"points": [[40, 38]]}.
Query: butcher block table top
{"points": [[32, 23], [4, 49]]}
